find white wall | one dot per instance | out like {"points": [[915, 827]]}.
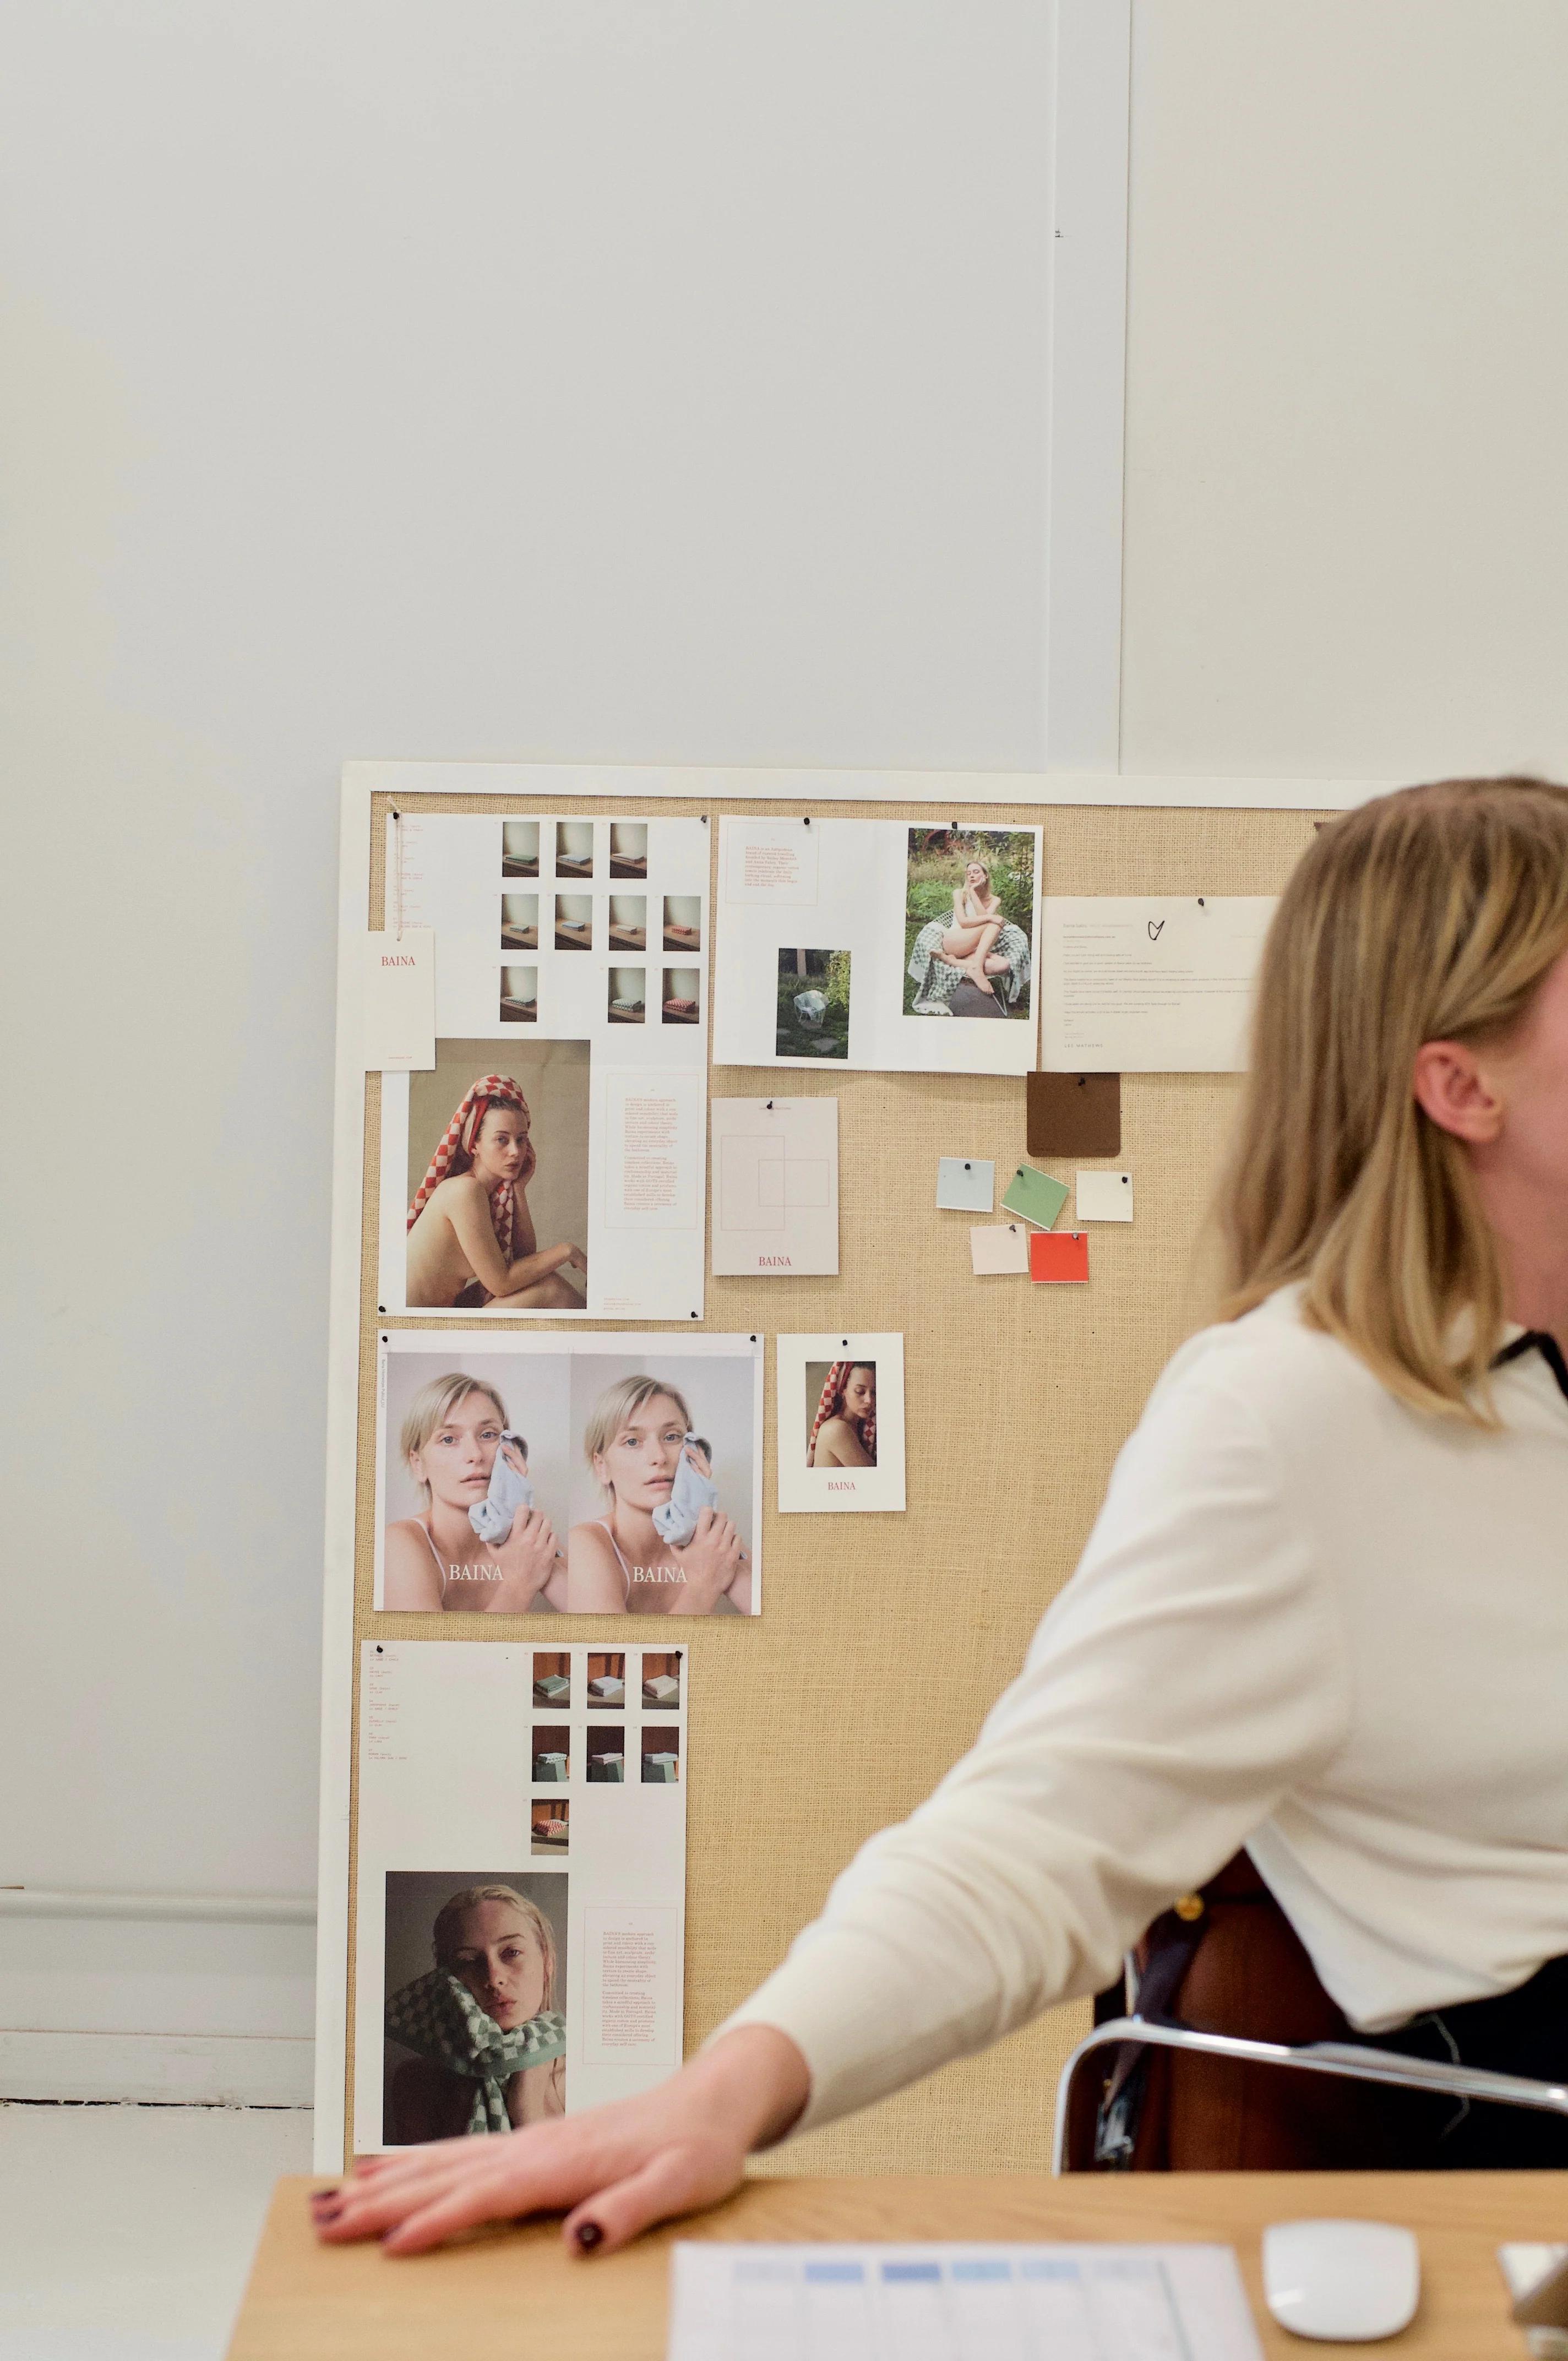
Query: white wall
{"points": [[632, 380]]}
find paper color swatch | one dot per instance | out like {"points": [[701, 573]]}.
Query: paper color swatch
{"points": [[1059, 1258], [1104, 1197], [1073, 1115], [1036, 1196], [999, 1246], [966, 1184]]}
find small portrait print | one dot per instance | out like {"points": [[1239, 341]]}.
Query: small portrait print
{"points": [[607, 1756], [661, 1755], [662, 1679], [497, 1174], [629, 848], [574, 847], [605, 1683], [548, 1821], [520, 995], [553, 1678], [969, 913], [551, 1744], [475, 1984], [682, 995], [814, 1004], [628, 994], [840, 1410], [683, 922], [668, 1465], [628, 926], [519, 922], [519, 848], [573, 922]]}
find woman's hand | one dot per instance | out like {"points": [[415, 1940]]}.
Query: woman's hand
{"points": [[612, 2170], [710, 1562], [527, 1558]]}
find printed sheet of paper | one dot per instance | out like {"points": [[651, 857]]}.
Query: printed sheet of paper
{"points": [[552, 1781], [872, 944], [456, 1536], [1155, 986], [775, 1186], [840, 1423], [939, 2302], [571, 959], [398, 989]]}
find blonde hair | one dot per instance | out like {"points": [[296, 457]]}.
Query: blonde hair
{"points": [[1429, 915], [619, 1403], [446, 1942], [434, 1405]]}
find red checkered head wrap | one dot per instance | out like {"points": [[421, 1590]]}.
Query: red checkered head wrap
{"points": [[456, 1153], [832, 1406]]}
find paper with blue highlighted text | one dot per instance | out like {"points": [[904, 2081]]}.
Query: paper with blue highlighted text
{"points": [[958, 2303]]}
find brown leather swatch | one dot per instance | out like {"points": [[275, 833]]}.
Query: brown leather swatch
{"points": [[1074, 1114]]}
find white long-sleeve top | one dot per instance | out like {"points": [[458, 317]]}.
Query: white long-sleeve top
{"points": [[1309, 1620]]}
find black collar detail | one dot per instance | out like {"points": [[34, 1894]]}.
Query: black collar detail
{"points": [[1550, 1351]]}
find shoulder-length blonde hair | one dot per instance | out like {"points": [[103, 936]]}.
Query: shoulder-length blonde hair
{"points": [[1431, 914], [615, 1406], [434, 1405]]}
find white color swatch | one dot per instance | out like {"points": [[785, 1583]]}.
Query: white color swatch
{"points": [[1103, 1196], [966, 1184], [938, 2303], [775, 1186], [1162, 985], [997, 1248]]}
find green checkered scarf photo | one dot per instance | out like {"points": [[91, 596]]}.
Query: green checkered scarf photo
{"points": [[438, 2016]]}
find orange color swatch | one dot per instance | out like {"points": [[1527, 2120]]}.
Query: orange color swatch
{"points": [[1058, 1254]]}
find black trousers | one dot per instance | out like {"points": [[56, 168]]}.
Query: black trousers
{"points": [[1521, 2032]]}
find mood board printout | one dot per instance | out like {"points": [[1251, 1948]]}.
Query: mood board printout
{"points": [[518, 1474], [1162, 985], [840, 1423], [872, 943], [521, 1883], [939, 2302], [551, 1161], [775, 1187]]}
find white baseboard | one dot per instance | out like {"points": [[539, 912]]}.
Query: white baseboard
{"points": [[166, 2069]]}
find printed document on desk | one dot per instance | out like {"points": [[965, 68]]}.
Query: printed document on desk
{"points": [[954, 2303], [1157, 985]]}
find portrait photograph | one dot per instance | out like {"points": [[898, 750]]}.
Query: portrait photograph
{"points": [[476, 1984], [969, 920], [498, 1177], [840, 1405]]}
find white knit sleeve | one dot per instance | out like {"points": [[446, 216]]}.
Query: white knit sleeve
{"points": [[1190, 1674]]}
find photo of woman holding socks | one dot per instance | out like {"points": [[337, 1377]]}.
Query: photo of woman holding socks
{"points": [[437, 1563], [843, 1425], [470, 1234], [637, 1441], [489, 2041]]}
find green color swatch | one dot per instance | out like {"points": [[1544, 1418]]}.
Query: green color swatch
{"points": [[1034, 1196]]}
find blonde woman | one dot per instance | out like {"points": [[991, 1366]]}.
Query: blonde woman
{"points": [[620, 1564], [1323, 1615], [490, 2043], [970, 941], [436, 1563]]}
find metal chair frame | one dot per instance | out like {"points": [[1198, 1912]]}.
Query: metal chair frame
{"points": [[1345, 2059]]}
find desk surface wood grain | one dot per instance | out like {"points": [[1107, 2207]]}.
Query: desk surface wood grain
{"points": [[514, 2291]]}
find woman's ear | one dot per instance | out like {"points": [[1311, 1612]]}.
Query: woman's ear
{"points": [[1452, 1087], [416, 1468]]}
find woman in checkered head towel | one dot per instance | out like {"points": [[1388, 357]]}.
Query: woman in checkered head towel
{"points": [[843, 1433], [470, 1234], [491, 2044]]}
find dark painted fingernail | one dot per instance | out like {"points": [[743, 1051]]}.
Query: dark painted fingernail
{"points": [[588, 2236]]}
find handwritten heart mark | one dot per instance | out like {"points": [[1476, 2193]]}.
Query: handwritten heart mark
{"points": [[1156, 928]]}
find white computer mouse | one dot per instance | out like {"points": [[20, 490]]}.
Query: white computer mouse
{"points": [[1344, 2282]]}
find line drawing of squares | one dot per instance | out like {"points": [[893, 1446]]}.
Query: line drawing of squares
{"points": [[966, 1184], [1102, 1196], [775, 1185]]}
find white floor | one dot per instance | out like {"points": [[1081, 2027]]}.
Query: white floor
{"points": [[126, 2232]]}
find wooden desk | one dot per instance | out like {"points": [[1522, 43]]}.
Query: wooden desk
{"points": [[513, 2292]]}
